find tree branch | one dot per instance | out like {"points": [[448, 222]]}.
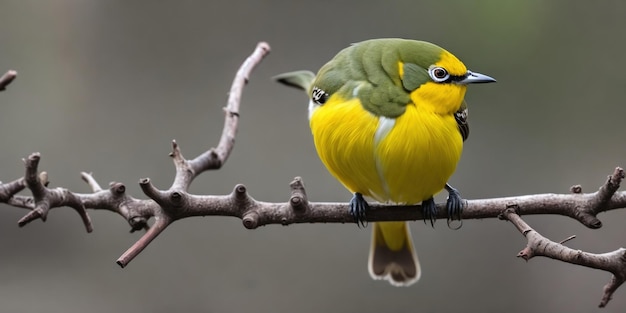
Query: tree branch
{"points": [[167, 206], [538, 245], [7, 78]]}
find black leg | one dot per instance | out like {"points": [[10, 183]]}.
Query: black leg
{"points": [[429, 210], [454, 205], [358, 208]]}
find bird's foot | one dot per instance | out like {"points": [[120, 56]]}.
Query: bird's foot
{"points": [[429, 210], [358, 208], [454, 205]]}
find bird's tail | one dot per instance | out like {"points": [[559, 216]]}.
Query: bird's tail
{"points": [[298, 79], [392, 256]]}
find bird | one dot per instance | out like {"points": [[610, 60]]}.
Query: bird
{"points": [[389, 119]]}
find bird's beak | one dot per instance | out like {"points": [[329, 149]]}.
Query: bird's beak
{"points": [[475, 78]]}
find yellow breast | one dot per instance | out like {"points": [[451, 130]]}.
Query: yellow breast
{"points": [[405, 160]]}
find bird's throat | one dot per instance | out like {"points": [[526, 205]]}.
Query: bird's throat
{"points": [[443, 99]]}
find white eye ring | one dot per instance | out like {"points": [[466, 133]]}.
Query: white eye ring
{"points": [[438, 74]]}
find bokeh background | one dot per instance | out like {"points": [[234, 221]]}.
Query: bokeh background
{"points": [[104, 86]]}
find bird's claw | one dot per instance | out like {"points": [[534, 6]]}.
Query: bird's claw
{"points": [[358, 208], [454, 204], [429, 210]]}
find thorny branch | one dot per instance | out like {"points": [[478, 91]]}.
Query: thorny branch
{"points": [[167, 206]]}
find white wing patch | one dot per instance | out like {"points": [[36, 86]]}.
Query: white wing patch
{"points": [[312, 107], [355, 91], [385, 125]]}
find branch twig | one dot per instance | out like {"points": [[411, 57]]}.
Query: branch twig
{"points": [[538, 245], [7, 78], [171, 203]]}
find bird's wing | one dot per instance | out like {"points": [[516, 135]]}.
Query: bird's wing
{"points": [[461, 119], [386, 99], [353, 74]]}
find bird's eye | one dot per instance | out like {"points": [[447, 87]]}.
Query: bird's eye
{"points": [[438, 74]]}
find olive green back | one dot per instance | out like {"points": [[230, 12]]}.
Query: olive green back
{"points": [[370, 71]]}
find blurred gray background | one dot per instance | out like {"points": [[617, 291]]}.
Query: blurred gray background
{"points": [[104, 86]]}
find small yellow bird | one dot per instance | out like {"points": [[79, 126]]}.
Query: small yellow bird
{"points": [[388, 120]]}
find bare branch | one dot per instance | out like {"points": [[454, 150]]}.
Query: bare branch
{"points": [[214, 158], [167, 206], [88, 178], [172, 203], [9, 189], [161, 223], [45, 198], [7, 79], [538, 245], [136, 212]]}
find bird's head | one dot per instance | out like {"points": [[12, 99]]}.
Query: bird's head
{"points": [[434, 77], [387, 74]]}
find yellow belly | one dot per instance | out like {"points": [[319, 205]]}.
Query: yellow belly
{"points": [[410, 164]]}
